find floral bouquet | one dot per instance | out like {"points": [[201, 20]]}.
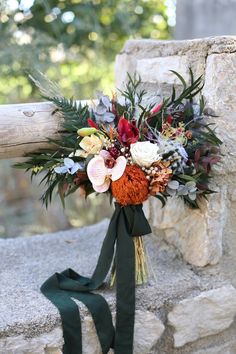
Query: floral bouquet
{"points": [[130, 147]]}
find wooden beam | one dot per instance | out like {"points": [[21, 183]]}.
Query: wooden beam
{"points": [[26, 127]]}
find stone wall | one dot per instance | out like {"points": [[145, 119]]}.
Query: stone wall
{"points": [[198, 234]]}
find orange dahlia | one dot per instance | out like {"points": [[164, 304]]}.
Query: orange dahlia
{"points": [[132, 187]]}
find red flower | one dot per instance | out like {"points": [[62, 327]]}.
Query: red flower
{"points": [[169, 119], [92, 124], [127, 131]]}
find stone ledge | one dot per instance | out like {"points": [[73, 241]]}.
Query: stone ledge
{"points": [[217, 44], [29, 321]]}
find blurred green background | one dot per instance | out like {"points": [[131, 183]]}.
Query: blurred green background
{"points": [[74, 42]]}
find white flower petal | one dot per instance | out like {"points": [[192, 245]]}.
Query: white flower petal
{"points": [[97, 171], [106, 101], [144, 153], [74, 168], [68, 162], [119, 168], [60, 169], [173, 184], [171, 192], [103, 188], [192, 196]]}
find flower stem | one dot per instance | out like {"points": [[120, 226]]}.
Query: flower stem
{"points": [[141, 272]]}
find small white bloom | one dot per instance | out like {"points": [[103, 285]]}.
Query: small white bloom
{"points": [[69, 167], [144, 153]]}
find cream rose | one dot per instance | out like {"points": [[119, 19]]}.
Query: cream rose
{"points": [[91, 145], [144, 153]]}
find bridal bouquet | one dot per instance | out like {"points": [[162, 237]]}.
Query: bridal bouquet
{"points": [[130, 147]]}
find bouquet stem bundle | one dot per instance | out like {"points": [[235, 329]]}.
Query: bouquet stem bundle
{"points": [[141, 269]]}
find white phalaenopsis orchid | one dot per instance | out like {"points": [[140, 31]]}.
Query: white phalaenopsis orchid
{"points": [[69, 167]]}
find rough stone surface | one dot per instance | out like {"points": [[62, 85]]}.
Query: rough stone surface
{"points": [[208, 313], [226, 348], [46, 343], [148, 329], [154, 69], [197, 234], [192, 52]]}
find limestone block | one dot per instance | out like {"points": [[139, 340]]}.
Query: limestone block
{"points": [[209, 313], [220, 94], [158, 69], [124, 64], [226, 348], [219, 87], [196, 233], [47, 343], [147, 330]]}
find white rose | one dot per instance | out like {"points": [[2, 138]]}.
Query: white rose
{"points": [[144, 153]]}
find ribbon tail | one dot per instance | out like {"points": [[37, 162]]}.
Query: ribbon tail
{"points": [[69, 312], [125, 291]]}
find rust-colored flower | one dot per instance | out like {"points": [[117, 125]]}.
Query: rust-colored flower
{"points": [[189, 134], [81, 177], [160, 177], [132, 187]]}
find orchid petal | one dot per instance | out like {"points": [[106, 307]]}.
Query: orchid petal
{"points": [[192, 196], [106, 101], [68, 162], [173, 184], [119, 168], [102, 188], [101, 109], [108, 117], [97, 171], [60, 169], [105, 154], [74, 168]]}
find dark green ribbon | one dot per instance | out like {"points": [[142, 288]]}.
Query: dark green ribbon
{"points": [[62, 287]]}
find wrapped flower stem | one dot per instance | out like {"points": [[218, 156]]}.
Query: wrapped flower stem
{"points": [[141, 269]]}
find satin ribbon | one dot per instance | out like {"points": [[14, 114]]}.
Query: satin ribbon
{"points": [[61, 288]]}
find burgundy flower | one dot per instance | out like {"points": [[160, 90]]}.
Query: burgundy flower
{"points": [[127, 131], [169, 119]]}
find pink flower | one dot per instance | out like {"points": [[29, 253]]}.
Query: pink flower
{"points": [[101, 174], [157, 108]]}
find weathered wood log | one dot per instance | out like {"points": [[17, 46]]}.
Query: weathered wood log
{"points": [[25, 127]]}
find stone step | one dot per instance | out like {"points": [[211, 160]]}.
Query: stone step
{"points": [[178, 305]]}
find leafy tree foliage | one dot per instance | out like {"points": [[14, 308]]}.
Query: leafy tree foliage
{"points": [[73, 41]]}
